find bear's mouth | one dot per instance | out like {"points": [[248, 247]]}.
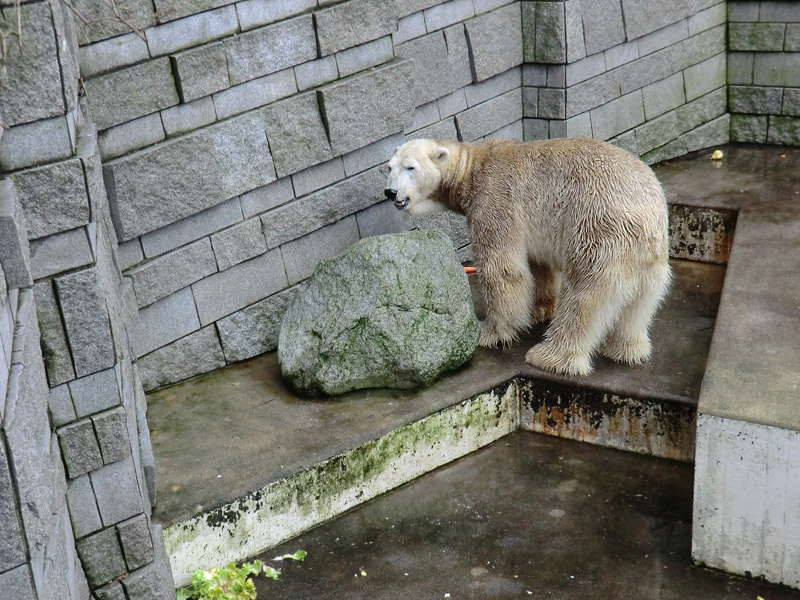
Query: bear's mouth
{"points": [[401, 204]]}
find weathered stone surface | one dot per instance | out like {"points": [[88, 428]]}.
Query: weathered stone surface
{"points": [[353, 23], [101, 556], [317, 177], [663, 96], [441, 63], [153, 582], [791, 102], [255, 329], [192, 31], [131, 92], [784, 130], [87, 322], [490, 116], [316, 72], [200, 71], [296, 134], [617, 116], [407, 319], [761, 37], [238, 243], [603, 24], [705, 76], [298, 218], [54, 197], [169, 273], [368, 107], [252, 281], [551, 34], [364, 56], [254, 13], [112, 591], [713, 133], [662, 38], [776, 68], [169, 10], [445, 14], [112, 54], [645, 16], [383, 218], [60, 405], [584, 69], [755, 99], [102, 23], [79, 448], [136, 543], [17, 583], [197, 353], [112, 434], [12, 545], [55, 350], [170, 181], [35, 143], [254, 93], [95, 392], [117, 491], [82, 506], [13, 238], [165, 321], [187, 117], [270, 49], [447, 105], [131, 135], [375, 154], [267, 197], [300, 256], [30, 66], [749, 128], [552, 103], [60, 252], [656, 132]]}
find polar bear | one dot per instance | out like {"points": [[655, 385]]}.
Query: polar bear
{"points": [[571, 230]]}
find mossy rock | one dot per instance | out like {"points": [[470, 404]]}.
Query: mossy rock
{"points": [[391, 311]]}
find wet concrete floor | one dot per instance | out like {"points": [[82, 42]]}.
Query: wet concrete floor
{"points": [[529, 517]]}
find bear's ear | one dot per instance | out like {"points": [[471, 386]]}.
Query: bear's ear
{"points": [[440, 154]]}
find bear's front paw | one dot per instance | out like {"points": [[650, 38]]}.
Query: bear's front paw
{"points": [[630, 352], [547, 357], [490, 337]]}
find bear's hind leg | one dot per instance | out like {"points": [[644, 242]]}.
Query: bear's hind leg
{"points": [[508, 289], [547, 285], [629, 341], [585, 312]]}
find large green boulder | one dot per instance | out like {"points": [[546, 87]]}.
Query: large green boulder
{"points": [[391, 311]]}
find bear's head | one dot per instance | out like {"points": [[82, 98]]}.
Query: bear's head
{"points": [[415, 174]]}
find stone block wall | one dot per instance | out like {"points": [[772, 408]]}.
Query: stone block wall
{"points": [[644, 74], [764, 71]]}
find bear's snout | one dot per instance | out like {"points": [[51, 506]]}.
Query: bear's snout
{"points": [[390, 193], [400, 203]]}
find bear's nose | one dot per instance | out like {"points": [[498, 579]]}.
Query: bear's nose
{"points": [[390, 193]]}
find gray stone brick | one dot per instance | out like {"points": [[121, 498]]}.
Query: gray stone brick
{"points": [[17, 583], [774, 68], [86, 320], [352, 23], [708, 18], [617, 116], [714, 133], [441, 63], [663, 96], [101, 556], [791, 102], [749, 128], [448, 13], [296, 134], [662, 38], [188, 117], [490, 116], [60, 252], [529, 33], [782, 12], [153, 188], [645, 16], [30, 68], [83, 510], [317, 177], [35, 143], [165, 321], [238, 243], [495, 41], [54, 198], [128, 137], [13, 238], [55, 350], [447, 105], [406, 7], [792, 42], [530, 102], [197, 353], [367, 107], [584, 69], [702, 110], [12, 544], [551, 34], [621, 54], [375, 154], [117, 491], [442, 130], [512, 131], [154, 581], [496, 86], [94, 393], [316, 72], [270, 49], [192, 31], [755, 100], [761, 37], [535, 129], [146, 88], [303, 216], [79, 448], [740, 68], [429, 113], [102, 23], [552, 104], [739, 11], [129, 254], [254, 93], [603, 24], [656, 132], [253, 330], [364, 56], [556, 76], [166, 274], [665, 152], [255, 13], [191, 228], [252, 280], [573, 22], [112, 435], [169, 10], [59, 403], [579, 126], [200, 71], [534, 75], [301, 256], [112, 54], [409, 27], [383, 218], [482, 6], [784, 131], [112, 591], [136, 543], [267, 197]]}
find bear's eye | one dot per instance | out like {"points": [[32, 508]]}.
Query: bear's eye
{"points": [[409, 168]]}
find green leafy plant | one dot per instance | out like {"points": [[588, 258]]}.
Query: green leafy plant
{"points": [[231, 582]]}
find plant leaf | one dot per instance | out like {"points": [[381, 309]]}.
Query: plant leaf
{"points": [[272, 573], [299, 555]]}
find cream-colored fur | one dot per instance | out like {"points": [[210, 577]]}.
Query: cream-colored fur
{"points": [[571, 230]]}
